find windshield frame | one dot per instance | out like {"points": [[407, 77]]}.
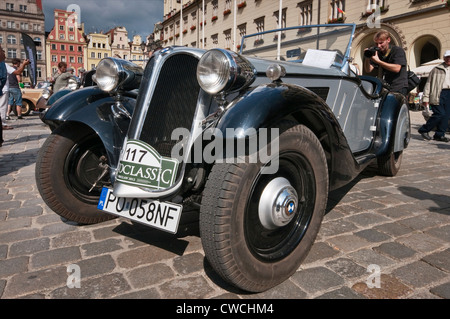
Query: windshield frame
{"points": [[278, 32]]}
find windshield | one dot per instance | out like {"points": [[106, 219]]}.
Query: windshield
{"points": [[324, 45]]}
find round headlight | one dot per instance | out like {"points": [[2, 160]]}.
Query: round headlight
{"points": [[221, 70], [46, 93], [107, 75]]}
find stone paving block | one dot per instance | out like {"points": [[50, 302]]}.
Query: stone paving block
{"points": [[186, 288], [142, 256], [319, 251], [316, 279], [442, 291], [367, 219], [346, 268], [94, 288], [101, 247], [390, 288], [36, 281], [29, 247], [150, 275], [419, 274], [342, 293], [285, 290], [440, 260], [348, 243], [395, 250], [367, 257], [57, 256], [421, 242], [71, 239], [13, 265], [372, 235], [189, 263]]}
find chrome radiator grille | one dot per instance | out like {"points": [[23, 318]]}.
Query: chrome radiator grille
{"points": [[173, 103]]}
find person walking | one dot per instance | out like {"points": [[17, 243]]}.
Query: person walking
{"points": [[15, 93], [390, 60], [4, 96], [436, 96]]}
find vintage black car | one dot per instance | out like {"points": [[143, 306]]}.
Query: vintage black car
{"points": [[254, 141]]}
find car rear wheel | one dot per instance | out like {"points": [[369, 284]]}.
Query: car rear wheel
{"points": [[390, 165], [26, 108], [256, 228]]}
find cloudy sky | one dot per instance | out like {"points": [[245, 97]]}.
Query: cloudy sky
{"points": [[138, 16]]}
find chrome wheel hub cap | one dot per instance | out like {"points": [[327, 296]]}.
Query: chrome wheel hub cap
{"points": [[278, 204]]}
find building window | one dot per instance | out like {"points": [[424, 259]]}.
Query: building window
{"points": [[12, 53], [23, 8], [93, 55], [337, 8], [63, 58], [39, 72], [305, 13], [10, 6], [11, 25], [80, 59], [215, 40], [39, 55], [53, 46], [63, 47], [373, 4], [259, 27], [71, 59], [12, 39], [283, 18], [54, 58], [61, 28], [71, 48], [227, 34], [23, 26]]}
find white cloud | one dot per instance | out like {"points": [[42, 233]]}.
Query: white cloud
{"points": [[138, 16]]}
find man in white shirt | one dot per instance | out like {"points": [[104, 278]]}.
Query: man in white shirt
{"points": [[4, 96], [436, 95]]}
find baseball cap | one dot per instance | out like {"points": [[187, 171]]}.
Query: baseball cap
{"points": [[447, 53]]}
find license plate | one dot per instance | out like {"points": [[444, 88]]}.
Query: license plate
{"points": [[161, 215]]}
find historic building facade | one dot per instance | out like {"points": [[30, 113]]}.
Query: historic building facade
{"points": [[66, 43], [421, 27], [120, 45], [17, 16], [97, 49]]}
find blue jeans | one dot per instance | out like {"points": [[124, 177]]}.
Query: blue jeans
{"points": [[440, 116], [15, 96]]}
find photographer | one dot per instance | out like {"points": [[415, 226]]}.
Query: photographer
{"points": [[390, 60]]}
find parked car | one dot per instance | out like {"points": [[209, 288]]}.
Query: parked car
{"points": [[254, 141], [31, 96]]}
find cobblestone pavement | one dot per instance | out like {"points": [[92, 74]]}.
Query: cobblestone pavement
{"points": [[391, 233]]}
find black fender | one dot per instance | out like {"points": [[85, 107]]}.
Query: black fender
{"points": [[394, 127], [266, 105], [93, 108]]}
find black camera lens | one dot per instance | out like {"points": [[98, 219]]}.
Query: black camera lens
{"points": [[370, 52]]}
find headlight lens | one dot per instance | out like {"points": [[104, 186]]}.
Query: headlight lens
{"points": [[220, 70], [107, 75], [46, 93]]}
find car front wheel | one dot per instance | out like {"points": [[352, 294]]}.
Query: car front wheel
{"points": [[256, 228]]}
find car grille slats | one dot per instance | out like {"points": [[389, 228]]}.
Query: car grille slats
{"points": [[173, 103]]}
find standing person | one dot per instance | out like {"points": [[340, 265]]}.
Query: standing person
{"points": [[436, 95], [5, 91], [390, 60], [15, 93], [62, 77]]}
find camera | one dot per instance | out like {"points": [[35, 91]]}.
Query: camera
{"points": [[371, 52]]}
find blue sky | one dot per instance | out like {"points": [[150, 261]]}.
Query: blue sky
{"points": [[138, 16]]}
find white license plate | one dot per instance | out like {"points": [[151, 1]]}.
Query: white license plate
{"points": [[161, 215]]}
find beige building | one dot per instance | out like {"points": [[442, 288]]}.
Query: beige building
{"points": [[421, 27], [120, 44], [137, 52], [17, 16], [97, 49]]}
